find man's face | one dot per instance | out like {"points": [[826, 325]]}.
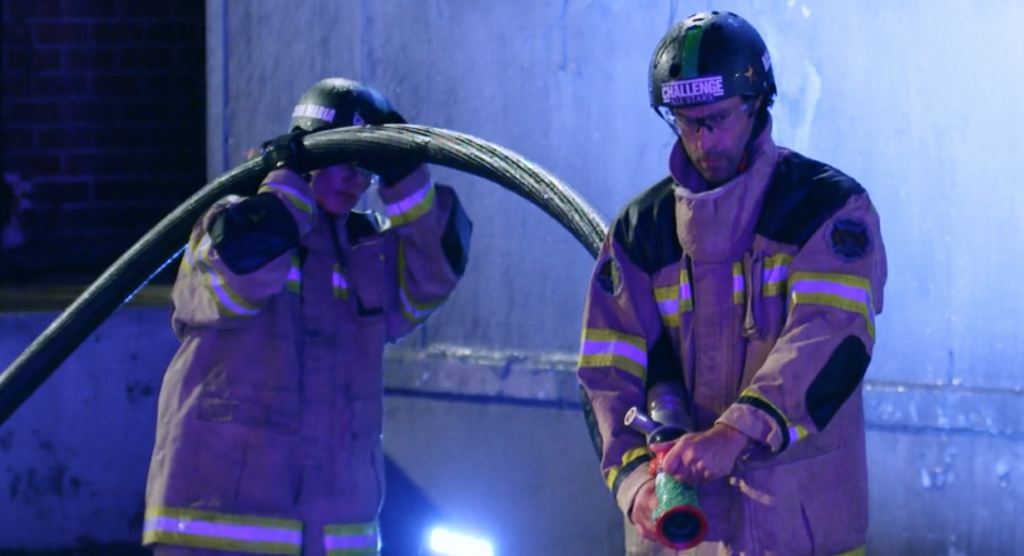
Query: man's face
{"points": [[338, 188], [714, 135]]}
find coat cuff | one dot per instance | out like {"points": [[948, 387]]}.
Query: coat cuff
{"points": [[630, 486], [754, 423], [295, 193]]}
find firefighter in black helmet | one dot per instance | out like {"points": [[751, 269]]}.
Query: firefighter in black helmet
{"points": [[747, 284], [708, 59], [270, 415]]}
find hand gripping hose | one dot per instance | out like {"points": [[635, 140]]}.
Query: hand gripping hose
{"points": [[163, 243]]}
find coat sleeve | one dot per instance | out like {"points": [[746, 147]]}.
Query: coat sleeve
{"points": [[239, 253], [429, 241], [834, 292], [620, 325]]}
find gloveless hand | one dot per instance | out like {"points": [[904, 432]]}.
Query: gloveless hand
{"points": [[703, 457], [641, 515]]}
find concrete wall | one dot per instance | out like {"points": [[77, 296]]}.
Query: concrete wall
{"points": [[914, 99]]}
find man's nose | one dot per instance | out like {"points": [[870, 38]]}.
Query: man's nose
{"points": [[707, 139]]}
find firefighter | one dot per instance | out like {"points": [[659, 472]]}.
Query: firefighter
{"points": [[270, 415], [748, 281]]}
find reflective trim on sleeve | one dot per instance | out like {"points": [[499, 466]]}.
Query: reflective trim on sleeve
{"points": [[608, 348], [222, 531], [352, 540], [674, 300], [295, 197], [338, 283], [229, 303], [294, 279], [776, 269], [840, 291], [739, 288], [413, 310], [628, 457], [791, 433], [412, 207]]}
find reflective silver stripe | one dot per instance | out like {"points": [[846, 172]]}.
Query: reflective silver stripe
{"points": [[294, 280], [674, 300], [411, 207], [776, 270], [338, 283], [352, 540], [841, 291], [297, 198], [413, 311], [738, 285], [222, 531], [228, 301], [608, 348]]}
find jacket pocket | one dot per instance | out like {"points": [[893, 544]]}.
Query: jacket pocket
{"points": [[260, 407], [773, 512]]}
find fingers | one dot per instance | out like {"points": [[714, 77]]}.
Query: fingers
{"points": [[662, 447], [646, 532]]}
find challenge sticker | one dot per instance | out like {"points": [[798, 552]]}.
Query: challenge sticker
{"points": [[314, 111], [692, 91]]}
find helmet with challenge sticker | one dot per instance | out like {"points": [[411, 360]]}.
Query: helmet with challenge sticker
{"points": [[709, 57]]}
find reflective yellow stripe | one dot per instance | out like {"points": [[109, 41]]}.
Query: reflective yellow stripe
{"points": [[229, 302], [855, 552], [796, 432], [412, 207], [738, 287], [296, 198], [294, 280], [413, 310], [338, 283], [627, 458], [776, 267], [608, 348], [222, 531], [841, 291], [674, 300], [351, 529], [667, 293], [360, 539]]}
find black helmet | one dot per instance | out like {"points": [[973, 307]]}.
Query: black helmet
{"points": [[709, 57], [338, 102]]}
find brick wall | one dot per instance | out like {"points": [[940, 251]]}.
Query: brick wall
{"points": [[103, 129]]}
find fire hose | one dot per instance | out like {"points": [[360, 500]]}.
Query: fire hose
{"points": [[162, 245], [165, 241]]}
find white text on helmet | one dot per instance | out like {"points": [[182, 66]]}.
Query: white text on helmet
{"points": [[690, 91], [314, 111]]}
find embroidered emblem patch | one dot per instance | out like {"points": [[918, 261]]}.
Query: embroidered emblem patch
{"points": [[849, 239], [609, 276]]}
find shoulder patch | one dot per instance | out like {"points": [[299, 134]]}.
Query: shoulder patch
{"points": [[849, 239], [609, 276]]}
